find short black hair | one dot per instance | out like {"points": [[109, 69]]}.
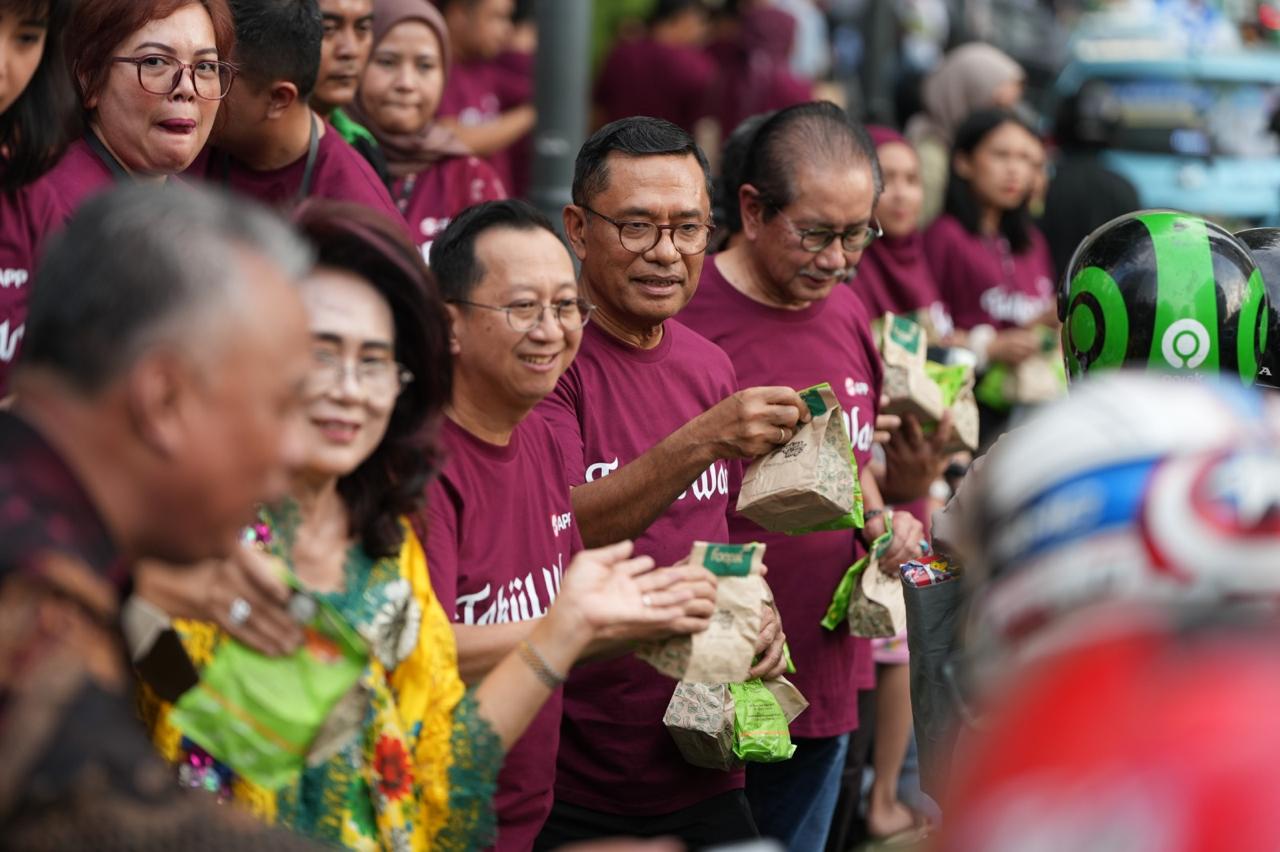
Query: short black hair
{"points": [[814, 132], [635, 136], [36, 127], [134, 261], [279, 40], [391, 482], [665, 10], [453, 254], [733, 159], [960, 202]]}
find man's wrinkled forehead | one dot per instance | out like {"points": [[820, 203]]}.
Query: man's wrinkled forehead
{"points": [[671, 185]]}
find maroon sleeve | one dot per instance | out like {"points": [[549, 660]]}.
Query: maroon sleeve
{"points": [[438, 526]]}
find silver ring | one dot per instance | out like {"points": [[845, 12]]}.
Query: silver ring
{"points": [[782, 435], [646, 600], [240, 612]]}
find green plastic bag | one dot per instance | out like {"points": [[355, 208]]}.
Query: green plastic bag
{"points": [[838, 610], [949, 379], [259, 714], [760, 730]]}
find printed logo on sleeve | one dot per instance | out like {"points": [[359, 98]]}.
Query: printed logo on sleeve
{"points": [[13, 278], [560, 523]]}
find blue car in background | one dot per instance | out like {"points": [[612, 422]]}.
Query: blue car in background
{"points": [[1196, 132]]}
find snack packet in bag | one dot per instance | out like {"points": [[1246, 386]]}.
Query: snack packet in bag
{"points": [[903, 349], [811, 482], [723, 652], [710, 731], [865, 616], [956, 385], [259, 715]]}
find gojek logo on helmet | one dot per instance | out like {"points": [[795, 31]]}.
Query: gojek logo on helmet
{"points": [[1186, 344]]}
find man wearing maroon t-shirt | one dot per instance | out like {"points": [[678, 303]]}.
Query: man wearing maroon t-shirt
{"points": [[652, 430], [806, 220], [487, 103], [268, 142], [499, 529]]}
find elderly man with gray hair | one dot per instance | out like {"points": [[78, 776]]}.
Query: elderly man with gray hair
{"points": [[156, 401]]}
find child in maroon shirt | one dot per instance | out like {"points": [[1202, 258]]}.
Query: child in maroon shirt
{"points": [[488, 103], [991, 264]]}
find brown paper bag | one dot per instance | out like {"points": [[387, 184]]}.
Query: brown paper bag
{"points": [[809, 481], [878, 609], [723, 653], [699, 718], [964, 422], [789, 698], [903, 349], [1036, 380]]}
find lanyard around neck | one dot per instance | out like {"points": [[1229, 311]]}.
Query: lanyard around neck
{"points": [[308, 171], [118, 172]]}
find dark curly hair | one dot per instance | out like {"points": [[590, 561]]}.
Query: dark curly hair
{"points": [[391, 482]]}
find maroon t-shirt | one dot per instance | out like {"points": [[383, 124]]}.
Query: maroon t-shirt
{"points": [[340, 173], [28, 217], [499, 536], [431, 198], [612, 406], [478, 92], [982, 281], [646, 77], [829, 341]]}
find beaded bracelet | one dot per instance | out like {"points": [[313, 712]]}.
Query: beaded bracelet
{"points": [[550, 678]]}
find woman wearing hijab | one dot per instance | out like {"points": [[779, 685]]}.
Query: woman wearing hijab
{"points": [[433, 174], [972, 77], [894, 275]]}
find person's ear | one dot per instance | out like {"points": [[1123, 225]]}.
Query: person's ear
{"points": [[157, 393], [963, 165], [751, 208], [282, 96], [455, 318], [575, 230]]}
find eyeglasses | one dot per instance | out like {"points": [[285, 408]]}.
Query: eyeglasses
{"points": [[639, 237], [525, 316], [161, 75], [852, 240], [381, 379]]}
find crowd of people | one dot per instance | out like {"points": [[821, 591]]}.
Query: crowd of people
{"points": [[282, 346]]}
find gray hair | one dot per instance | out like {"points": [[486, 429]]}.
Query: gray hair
{"points": [[138, 261]]}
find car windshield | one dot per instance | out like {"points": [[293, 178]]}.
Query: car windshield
{"points": [[1196, 117]]}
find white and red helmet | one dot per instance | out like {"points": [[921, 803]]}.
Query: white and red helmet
{"points": [[1135, 488]]}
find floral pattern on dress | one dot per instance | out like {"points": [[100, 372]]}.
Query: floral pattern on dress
{"points": [[421, 771]]}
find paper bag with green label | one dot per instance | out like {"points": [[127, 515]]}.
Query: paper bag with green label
{"points": [[724, 726], [811, 482], [260, 715], [903, 349], [723, 653]]}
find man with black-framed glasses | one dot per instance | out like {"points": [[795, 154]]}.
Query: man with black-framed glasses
{"points": [[652, 428], [269, 143], [779, 303]]}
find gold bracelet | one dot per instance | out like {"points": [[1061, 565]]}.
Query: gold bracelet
{"points": [[550, 678]]}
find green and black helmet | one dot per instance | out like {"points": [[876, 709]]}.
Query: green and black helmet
{"points": [[1163, 291], [1264, 245]]}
